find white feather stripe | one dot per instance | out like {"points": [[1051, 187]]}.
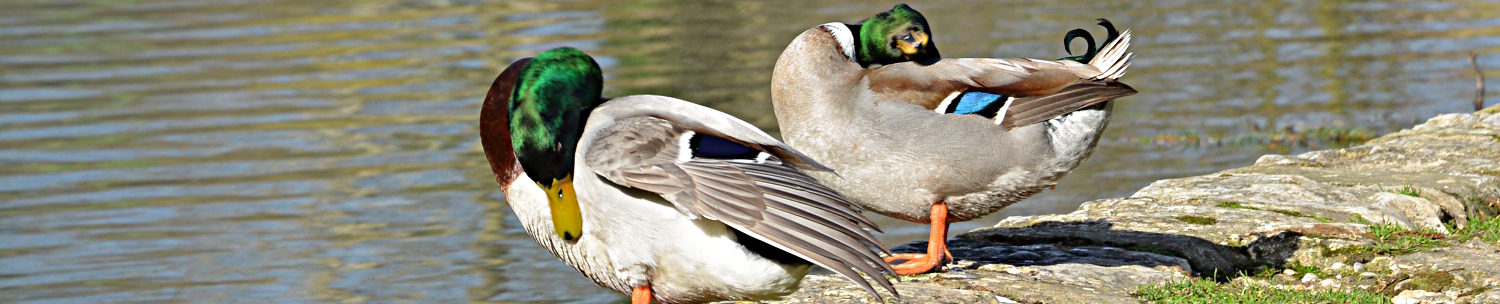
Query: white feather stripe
{"points": [[1113, 58], [843, 35], [1000, 115], [942, 107], [685, 147], [1118, 70], [1110, 53]]}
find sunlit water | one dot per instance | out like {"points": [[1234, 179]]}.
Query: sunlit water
{"points": [[319, 151]]}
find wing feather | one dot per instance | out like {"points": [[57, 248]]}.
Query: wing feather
{"points": [[767, 199], [843, 213], [1029, 110], [1043, 89]]}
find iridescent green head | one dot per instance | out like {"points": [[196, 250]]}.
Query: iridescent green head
{"points": [[554, 94], [900, 34]]}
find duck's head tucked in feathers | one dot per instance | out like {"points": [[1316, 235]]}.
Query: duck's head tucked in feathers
{"points": [[898, 35], [556, 91]]}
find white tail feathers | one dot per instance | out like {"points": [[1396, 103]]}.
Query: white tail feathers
{"points": [[1113, 58]]}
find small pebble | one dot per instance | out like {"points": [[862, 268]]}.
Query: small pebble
{"points": [[1336, 266], [1367, 275], [1289, 272], [1309, 278], [1328, 283]]}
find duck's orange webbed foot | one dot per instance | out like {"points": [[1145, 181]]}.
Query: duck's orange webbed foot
{"points": [[641, 295], [937, 247]]}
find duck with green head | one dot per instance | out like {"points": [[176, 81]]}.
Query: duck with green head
{"points": [[891, 133], [661, 198], [898, 35]]}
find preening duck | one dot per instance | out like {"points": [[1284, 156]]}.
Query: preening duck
{"points": [[939, 140], [661, 198]]}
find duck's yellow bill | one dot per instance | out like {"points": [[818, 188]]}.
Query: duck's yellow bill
{"points": [[567, 221], [912, 47]]}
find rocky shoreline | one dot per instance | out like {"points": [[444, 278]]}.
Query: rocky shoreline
{"points": [[1389, 216]]}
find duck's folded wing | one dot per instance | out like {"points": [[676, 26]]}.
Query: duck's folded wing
{"points": [[708, 121], [1079, 95], [928, 85], [706, 176], [1034, 89]]}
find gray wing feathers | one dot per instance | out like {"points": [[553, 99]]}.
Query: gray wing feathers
{"points": [[768, 200], [971, 72], [1028, 110], [709, 121]]}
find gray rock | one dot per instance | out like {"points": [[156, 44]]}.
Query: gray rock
{"points": [[1422, 297], [1312, 209], [1467, 268], [1491, 296], [1309, 278]]}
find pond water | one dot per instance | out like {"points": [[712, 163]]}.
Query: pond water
{"points": [[327, 151]]}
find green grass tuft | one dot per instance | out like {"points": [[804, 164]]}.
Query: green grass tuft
{"points": [[1264, 273], [1392, 239], [1299, 268], [1207, 291], [1484, 230], [1407, 191]]}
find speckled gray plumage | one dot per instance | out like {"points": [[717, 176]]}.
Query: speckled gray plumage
{"points": [[896, 156]]}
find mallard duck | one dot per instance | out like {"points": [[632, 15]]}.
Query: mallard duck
{"points": [[661, 198], [893, 133], [897, 35]]}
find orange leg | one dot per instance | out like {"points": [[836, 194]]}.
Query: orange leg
{"points": [[641, 295], [937, 247]]}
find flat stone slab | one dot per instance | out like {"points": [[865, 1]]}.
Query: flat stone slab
{"points": [[1312, 209]]}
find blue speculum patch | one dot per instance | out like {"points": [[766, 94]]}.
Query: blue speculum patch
{"points": [[979, 103]]}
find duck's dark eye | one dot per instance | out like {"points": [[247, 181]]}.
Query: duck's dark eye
{"points": [[913, 28]]}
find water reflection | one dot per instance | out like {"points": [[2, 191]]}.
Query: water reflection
{"points": [[326, 151]]}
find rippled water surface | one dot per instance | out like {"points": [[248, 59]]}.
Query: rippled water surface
{"points": [[321, 151]]}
